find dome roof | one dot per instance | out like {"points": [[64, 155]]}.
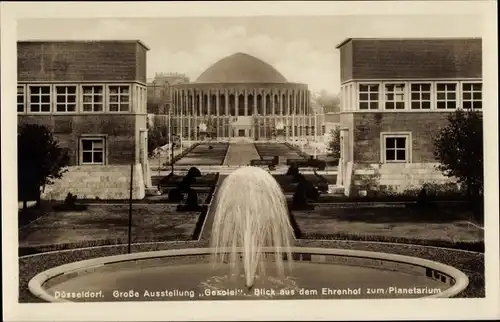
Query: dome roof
{"points": [[241, 68]]}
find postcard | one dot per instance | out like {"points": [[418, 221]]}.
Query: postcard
{"points": [[250, 161]]}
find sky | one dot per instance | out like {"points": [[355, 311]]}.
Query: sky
{"points": [[301, 48]]}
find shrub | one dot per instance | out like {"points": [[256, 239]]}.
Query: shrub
{"points": [[193, 172], [293, 170]]}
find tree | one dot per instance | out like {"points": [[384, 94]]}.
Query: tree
{"points": [[157, 137], [333, 147], [40, 160], [459, 149], [329, 101]]}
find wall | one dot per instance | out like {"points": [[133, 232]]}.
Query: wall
{"points": [[416, 58], [423, 126], [102, 182], [81, 61], [346, 62], [397, 178], [119, 128]]}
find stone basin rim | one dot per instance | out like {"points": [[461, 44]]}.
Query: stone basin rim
{"points": [[36, 288]]}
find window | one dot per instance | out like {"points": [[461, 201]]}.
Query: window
{"points": [[92, 150], [472, 96], [323, 129], [92, 98], [39, 97], [119, 98], [20, 98], [65, 98], [446, 96], [368, 96], [394, 96], [396, 147], [420, 95]]}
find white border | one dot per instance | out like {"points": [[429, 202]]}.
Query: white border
{"points": [[252, 310]]}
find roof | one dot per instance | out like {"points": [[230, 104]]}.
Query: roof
{"points": [[403, 38], [241, 68], [84, 41]]}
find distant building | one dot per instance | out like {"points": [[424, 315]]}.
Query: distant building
{"points": [[396, 94], [159, 98], [92, 95], [242, 96]]}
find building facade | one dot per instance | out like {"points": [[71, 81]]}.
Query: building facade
{"points": [[92, 95], [396, 94], [241, 96]]}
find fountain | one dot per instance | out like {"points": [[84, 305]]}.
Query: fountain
{"points": [[251, 256], [251, 214]]}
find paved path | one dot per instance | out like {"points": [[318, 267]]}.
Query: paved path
{"points": [[240, 154]]}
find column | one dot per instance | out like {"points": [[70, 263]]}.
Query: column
{"points": [[290, 109], [280, 102], [254, 101], [236, 102], [245, 93], [217, 92], [209, 98], [226, 101], [273, 103]]}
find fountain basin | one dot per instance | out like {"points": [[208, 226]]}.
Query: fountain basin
{"points": [[187, 274]]}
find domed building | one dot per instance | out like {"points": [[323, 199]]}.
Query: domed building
{"points": [[241, 96]]}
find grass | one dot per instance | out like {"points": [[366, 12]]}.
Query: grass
{"points": [[203, 155], [438, 226], [273, 149], [107, 224]]}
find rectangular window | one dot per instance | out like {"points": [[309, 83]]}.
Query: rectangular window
{"points": [[119, 98], [472, 95], [446, 96], [92, 150], [65, 98], [394, 96], [93, 98], [368, 96], [21, 100], [323, 129], [420, 96], [396, 148], [39, 98]]}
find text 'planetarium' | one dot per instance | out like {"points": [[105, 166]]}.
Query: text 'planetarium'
{"points": [[241, 96]]}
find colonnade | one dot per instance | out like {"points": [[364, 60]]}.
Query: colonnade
{"points": [[289, 127], [240, 102]]}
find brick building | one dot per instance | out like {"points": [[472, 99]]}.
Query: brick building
{"points": [[92, 95], [396, 95]]}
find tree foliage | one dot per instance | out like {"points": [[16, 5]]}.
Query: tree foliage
{"points": [[333, 147], [157, 137], [329, 101], [459, 149], [40, 160]]}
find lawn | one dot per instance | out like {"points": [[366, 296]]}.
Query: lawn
{"points": [[266, 150], [108, 224], [203, 155], [439, 226]]}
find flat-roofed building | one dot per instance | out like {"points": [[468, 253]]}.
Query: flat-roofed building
{"points": [[396, 94], [92, 95]]}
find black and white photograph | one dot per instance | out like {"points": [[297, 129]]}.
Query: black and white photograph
{"points": [[235, 161]]}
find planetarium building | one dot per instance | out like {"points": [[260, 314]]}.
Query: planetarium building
{"points": [[241, 96]]}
